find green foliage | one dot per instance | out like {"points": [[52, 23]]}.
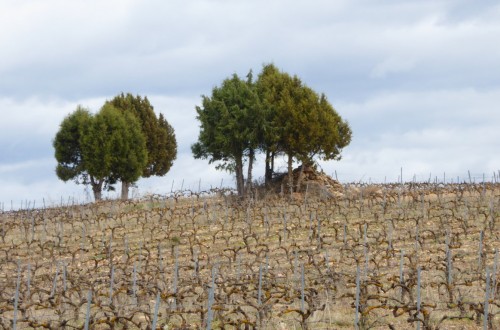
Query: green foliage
{"points": [[276, 114], [100, 149], [161, 144], [336, 133], [299, 122], [114, 147], [68, 152], [230, 126]]}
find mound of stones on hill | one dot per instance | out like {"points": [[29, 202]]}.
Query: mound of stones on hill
{"points": [[314, 182]]}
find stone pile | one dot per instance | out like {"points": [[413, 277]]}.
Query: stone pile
{"points": [[314, 182]]}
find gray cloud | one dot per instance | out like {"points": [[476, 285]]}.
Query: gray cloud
{"points": [[417, 80]]}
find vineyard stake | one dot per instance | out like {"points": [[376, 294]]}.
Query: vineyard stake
{"points": [[494, 279], [28, 281], [211, 297], [196, 264], [54, 285], [345, 235], [16, 297], [401, 276], [365, 250], [486, 299], [267, 264], [176, 276], [389, 234], [259, 294], [480, 250], [134, 284], [319, 231], [64, 276], [356, 304], [155, 315], [449, 260], [418, 297], [284, 228], [302, 289], [87, 315]]}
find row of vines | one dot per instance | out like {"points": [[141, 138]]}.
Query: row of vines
{"points": [[381, 257]]}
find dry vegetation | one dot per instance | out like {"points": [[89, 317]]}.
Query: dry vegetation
{"points": [[267, 264]]}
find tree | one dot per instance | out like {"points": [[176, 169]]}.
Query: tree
{"points": [[230, 126], [113, 148], [100, 149], [270, 85], [299, 122], [68, 151], [277, 114], [161, 144]]}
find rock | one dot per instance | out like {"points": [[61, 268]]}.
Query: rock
{"points": [[317, 183]]}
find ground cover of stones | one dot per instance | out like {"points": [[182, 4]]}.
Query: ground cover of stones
{"points": [[188, 259]]}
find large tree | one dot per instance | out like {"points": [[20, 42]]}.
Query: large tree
{"points": [[161, 144], [114, 148], [277, 114], [100, 149], [299, 122], [230, 128], [270, 85]]}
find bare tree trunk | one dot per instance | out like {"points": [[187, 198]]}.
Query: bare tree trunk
{"points": [[272, 164], [96, 188], [250, 169], [125, 187], [269, 167], [290, 173], [240, 183], [269, 174]]}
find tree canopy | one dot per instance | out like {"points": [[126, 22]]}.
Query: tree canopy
{"points": [[161, 144], [119, 143], [230, 127], [302, 124], [68, 151], [114, 148], [277, 114]]}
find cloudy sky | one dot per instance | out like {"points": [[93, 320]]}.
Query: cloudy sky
{"points": [[419, 81]]}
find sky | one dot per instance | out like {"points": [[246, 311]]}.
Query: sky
{"points": [[418, 81]]}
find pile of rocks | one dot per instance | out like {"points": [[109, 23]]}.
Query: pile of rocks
{"points": [[314, 182]]}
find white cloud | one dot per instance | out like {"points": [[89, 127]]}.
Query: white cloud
{"points": [[415, 79], [423, 132]]}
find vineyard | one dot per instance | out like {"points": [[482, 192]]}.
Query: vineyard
{"points": [[395, 256]]}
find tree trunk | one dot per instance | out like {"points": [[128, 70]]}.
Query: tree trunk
{"points": [[290, 173], [125, 186], [250, 169], [96, 188], [269, 167], [268, 176], [272, 164], [240, 183]]}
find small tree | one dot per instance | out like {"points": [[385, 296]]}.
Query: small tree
{"points": [[230, 125], [114, 148], [161, 144], [68, 151]]}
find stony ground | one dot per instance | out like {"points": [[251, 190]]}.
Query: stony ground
{"points": [[380, 257]]}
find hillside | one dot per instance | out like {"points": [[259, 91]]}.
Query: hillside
{"points": [[270, 264]]}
